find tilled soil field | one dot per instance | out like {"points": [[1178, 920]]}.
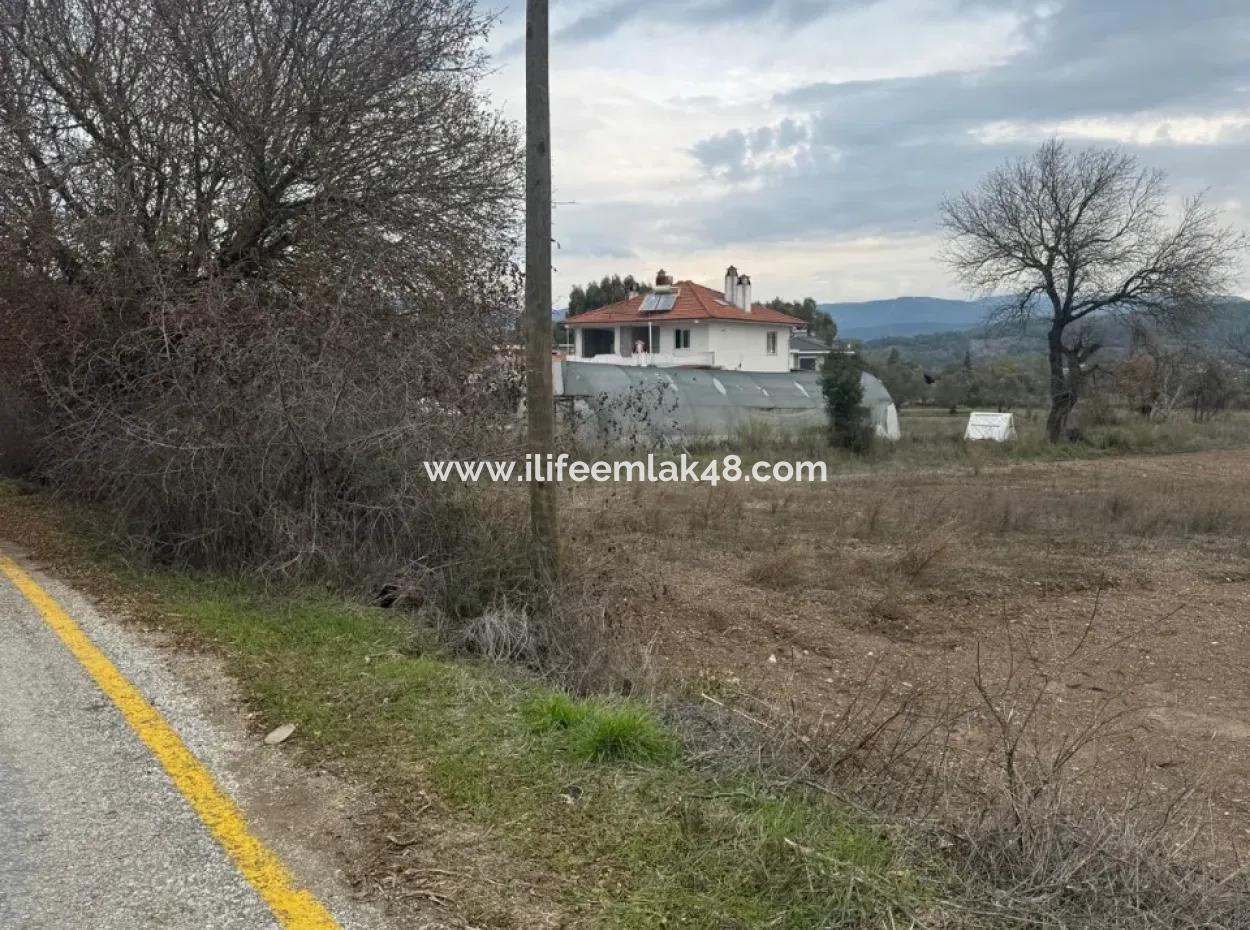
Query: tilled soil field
{"points": [[1117, 589]]}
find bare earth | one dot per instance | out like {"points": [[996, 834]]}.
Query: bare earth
{"points": [[798, 594]]}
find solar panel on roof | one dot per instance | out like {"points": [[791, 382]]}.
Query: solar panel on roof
{"points": [[658, 303]]}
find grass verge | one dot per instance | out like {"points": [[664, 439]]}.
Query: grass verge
{"points": [[595, 795]]}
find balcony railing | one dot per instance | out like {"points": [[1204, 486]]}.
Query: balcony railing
{"points": [[655, 359]]}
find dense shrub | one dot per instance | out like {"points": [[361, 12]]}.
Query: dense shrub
{"points": [[842, 385], [255, 266]]}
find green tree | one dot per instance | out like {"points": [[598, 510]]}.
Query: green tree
{"points": [[608, 290], [953, 388], [842, 385], [819, 323], [903, 379]]}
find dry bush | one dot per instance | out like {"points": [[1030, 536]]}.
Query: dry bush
{"points": [[924, 554], [779, 569], [594, 652], [485, 605], [890, 610], [1003, 512], [18, 434], [501, 633], [1042, 844], [870, 523], [280, 438], [255, 259], [713, 510], [1111, 511]]}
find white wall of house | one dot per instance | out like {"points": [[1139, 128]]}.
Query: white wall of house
{"points": [[744, 346], [667, 341], [733, 346]]}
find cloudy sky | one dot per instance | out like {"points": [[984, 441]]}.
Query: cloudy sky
{"points": [[809, 141]]}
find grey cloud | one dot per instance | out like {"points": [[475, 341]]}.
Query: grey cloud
{"points": [[876, 156], [1090, 58], [605, 19], [724, 153], [598, 23], [730, 153], [790, 133]]}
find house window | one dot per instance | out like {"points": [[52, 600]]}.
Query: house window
{"points": [[771, 343], [681, 339], [807, 363]]}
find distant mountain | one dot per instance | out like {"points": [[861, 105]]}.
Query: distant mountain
{"points": [[1228, 324], [906, 316]]}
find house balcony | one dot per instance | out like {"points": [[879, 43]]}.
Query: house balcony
{"points": [[655, 359]]}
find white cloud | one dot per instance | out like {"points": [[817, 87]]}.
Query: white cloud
{"points": [[1143, 130]]}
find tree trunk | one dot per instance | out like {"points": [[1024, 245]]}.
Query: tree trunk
{"points": [[1062, 388], [540, 403]]}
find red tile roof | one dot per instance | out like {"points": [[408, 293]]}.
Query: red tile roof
{"points": [[694, 302]]}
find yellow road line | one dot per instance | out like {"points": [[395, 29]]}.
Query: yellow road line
{"points": [[294, 908]]}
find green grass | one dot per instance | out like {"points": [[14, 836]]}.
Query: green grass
{"points": [[651, 841], [556, 712], [604, 731]]}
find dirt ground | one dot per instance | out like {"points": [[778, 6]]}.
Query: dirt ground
{"points": [[1122, 585]]}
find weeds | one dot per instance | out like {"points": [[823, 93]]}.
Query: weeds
{"points": [[1027, 843], [777, 570], [923, 554], [502, 633]]}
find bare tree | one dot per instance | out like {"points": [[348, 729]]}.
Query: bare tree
{"points": [[256, 263], [250, 137], [1214, 387], [541, 405], [1153, 378], [1076, 234]]}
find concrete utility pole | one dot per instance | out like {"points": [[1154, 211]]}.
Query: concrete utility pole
{"points": [[540, 403]]}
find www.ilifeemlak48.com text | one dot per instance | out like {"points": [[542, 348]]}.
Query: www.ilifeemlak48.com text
{"points": [[559, 467]]}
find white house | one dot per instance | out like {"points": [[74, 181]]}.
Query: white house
{"points": [[684, 324], [807, 353]]}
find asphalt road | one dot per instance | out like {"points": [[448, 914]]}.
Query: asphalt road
{"points": [[94, 833]]}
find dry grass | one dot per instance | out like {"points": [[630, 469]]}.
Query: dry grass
{"points": [[924, 554], [777, 570], [1071, 792], [991, 778]]}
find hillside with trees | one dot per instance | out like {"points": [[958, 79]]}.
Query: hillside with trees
{"points": [[819, 323], [1226, 328]]}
